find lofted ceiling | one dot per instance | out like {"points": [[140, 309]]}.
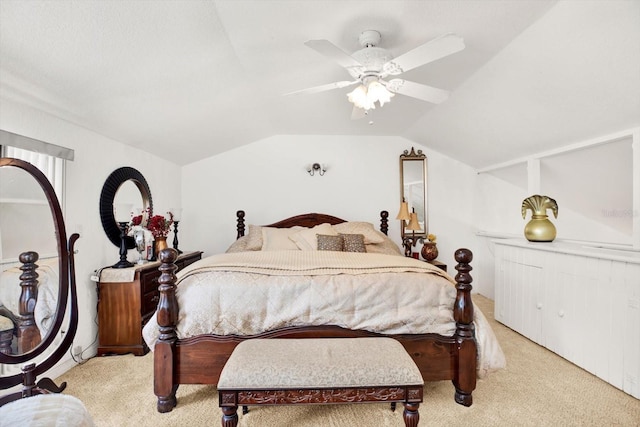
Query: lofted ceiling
{"points": [[208, 76]]}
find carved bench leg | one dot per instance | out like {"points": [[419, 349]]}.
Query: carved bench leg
{"points": [[411, 415], [229, 416]]}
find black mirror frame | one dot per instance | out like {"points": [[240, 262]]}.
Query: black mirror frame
{"points": [[108, 194]]}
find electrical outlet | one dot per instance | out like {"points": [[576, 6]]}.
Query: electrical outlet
{"points": [[95, 277], [77, 350]]}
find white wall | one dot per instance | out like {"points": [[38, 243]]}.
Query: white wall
{"points": [[269, 181], [95, 158]]}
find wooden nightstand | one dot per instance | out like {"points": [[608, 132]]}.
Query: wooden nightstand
{"points": [[127, 298], [441, 265]]}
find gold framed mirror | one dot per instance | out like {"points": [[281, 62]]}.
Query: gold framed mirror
{"points": [[413, 192]]}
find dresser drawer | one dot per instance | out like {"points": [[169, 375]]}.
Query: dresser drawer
{"points": [[149, 280], [150, 302]]}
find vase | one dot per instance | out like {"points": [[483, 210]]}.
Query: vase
{"points": [[540, 229], [429, 251], [161, 243]]}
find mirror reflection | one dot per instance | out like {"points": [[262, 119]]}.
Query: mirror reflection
{"points": [[129, 194], [26, 225], [413, 191]]}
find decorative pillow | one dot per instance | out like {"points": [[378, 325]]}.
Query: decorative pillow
{"points": [[330, 242], [277, 239], [239, 245], [371, 235], [306, 239], [254, 238], [353, 243]]}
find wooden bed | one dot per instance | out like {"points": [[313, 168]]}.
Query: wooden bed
{"points": [[200, 359]]}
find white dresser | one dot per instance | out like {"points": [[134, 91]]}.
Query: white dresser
{"points": [[581, 303]]}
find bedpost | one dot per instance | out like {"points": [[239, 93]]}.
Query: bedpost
{"points": [[167, 317], [465, 369], [384, 222], [28, 333], [240, 220]]}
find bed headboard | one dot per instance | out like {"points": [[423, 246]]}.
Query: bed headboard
{"points": [[308, 220]]}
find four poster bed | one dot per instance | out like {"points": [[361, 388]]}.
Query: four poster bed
{"points": [[289, 280]]}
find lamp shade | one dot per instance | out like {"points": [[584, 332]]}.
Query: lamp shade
{"points": [[413, 222], [403, 214]]}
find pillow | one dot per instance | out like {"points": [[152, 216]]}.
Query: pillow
{"points": [[371, 235], [239, 245], [330, 242], [306, 239], [353, 243], [254, 238], [277, 239], [387, 247]]}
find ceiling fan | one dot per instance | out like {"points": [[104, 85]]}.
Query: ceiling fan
{"points": [[372, 65]]}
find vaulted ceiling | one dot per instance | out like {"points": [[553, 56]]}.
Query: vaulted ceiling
{"points": [[208, 76]]}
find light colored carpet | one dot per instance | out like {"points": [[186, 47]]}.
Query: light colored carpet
{"points": [[538, 388]]}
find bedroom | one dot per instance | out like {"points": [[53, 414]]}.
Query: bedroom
{"points": [[577, 48]]}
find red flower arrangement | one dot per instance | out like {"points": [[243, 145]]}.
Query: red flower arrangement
{"points": [[159, 226], [136, 220]]}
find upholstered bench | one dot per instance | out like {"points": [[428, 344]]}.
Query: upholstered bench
{"points": [[319, 371]]}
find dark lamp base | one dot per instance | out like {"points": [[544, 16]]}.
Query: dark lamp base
{"points": [[122, 264]]}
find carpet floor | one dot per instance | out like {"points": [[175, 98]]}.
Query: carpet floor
{"points": [[537, 388]]}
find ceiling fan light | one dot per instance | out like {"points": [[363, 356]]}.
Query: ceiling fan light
{"points": [[377, 92], [360, 99]]}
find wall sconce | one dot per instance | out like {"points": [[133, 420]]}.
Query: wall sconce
{"points": [[316, 167]]}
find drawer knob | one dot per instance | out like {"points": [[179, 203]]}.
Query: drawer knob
{"points": [[561, 313], [539, 306]]}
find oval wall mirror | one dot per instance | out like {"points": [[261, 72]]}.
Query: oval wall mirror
{"points": [[37, 275], [125, 185], [413, 190]]}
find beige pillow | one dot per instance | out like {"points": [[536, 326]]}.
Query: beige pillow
{"points": [[371, 235], [254, 238], [277, 239], [330, 243], [306, 239], [353, 243]]}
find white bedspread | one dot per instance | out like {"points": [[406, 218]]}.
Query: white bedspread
{"points": [[248, 293]]}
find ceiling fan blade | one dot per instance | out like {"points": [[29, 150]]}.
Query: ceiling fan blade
{"points": [[418, 90], [323, 88], [431, 51], [333, 52]]}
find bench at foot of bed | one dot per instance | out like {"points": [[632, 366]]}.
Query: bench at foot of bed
{"points": [[319, 371]]}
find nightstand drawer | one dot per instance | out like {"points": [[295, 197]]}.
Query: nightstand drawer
{"points": [[150, 302], [149, 280]]}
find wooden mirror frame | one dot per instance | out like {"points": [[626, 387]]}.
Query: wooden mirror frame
{"points": [[108, 195], [412, 156], [66, 288]]}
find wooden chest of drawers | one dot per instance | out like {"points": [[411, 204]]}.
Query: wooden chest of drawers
{"points": [[125, 306]]}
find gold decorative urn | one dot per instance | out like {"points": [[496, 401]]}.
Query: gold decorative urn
{"points": [[539, 228]]}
